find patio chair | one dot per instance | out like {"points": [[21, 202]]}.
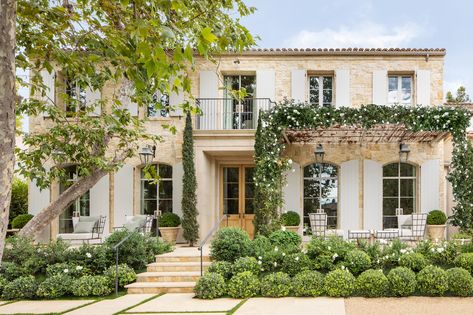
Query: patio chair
{"points": [[412, 227], [140, 223], [359, 235], [88, 228], [387, 235], [318, 226]]}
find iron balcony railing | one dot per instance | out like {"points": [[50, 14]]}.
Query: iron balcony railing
{"points": [[230, 113]]}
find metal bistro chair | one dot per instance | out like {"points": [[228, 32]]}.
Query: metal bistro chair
{"points": [[357, 235], [139, 223], [318, 224]]}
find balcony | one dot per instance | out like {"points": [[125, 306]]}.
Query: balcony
{"points": [[230, 113]]}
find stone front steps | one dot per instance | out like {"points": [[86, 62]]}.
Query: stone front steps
{"points": [[171, 273]]}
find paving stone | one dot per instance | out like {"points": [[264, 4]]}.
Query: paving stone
{"points": [[289, 305], [184, 302], [111, 306], [41, 307]]}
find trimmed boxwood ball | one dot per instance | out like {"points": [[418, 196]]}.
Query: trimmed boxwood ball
{"points": [[339, 283], [308, 283], [357, 261], [413, 261], [55, 287], [91, 286], [436, 217], [465, 261], [223, 268], [246, 264], [372, 283], [276, 284], [460, 282], [210, 286], [295, 263], [169, 219], [20, 221], [243, 285], [20, 289], [432, 280], [259, 246], [230, 244], [402, 281], [290, 218], [126, 275], [285, 238]]}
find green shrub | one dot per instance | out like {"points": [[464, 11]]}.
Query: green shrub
{"points": [[436, 217], [19, 198], [126, 275], [357, 261], [290, 218], [223, 268], [210, 286], [56, 251], [230, 244], [372, 283], [55, 286], [308, 283], [465, 261], [3, 283], [22, 288], [259, 246], [339, 283], [402, 281], [246, 264], [22, 252], [20, 221], [276, 284], [392, 252], [243, 285], [432, 280], [326, 253], [413, 261], [460, 282], [156, 246], [67, 269], [91, 286], [95, 258], [461, 235], [169, 219], [282, 238], [295, 263], [11, 271]]}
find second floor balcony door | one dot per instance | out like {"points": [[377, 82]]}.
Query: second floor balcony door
{"points": [[239, 113]]}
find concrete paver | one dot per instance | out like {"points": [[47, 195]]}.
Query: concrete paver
{"points": [[290, 305], [184, 302], [112, 306], [413, 305], [41, 307], [186, 313]]}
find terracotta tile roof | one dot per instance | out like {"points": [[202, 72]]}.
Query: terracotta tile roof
{"points": [[467, 105], [344, 51]]}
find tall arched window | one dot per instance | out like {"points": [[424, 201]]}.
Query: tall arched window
{"points": [[81, 204], [154, 195], [399, 191], [321, 191]]}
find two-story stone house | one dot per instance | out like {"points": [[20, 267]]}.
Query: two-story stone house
{"points": [[363, 184]]}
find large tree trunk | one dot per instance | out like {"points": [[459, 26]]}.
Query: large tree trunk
{"points": [[55, 208], [7, 111]]}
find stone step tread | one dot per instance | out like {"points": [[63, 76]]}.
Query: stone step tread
{"points": [[168, 273], [161, 285], [178, 263], [186, 258]]}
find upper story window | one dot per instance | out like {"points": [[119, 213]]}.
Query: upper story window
{"points": [[240, 83], [159, 107], [75, 96], [400, 89], [239, 112], [321, 90]]}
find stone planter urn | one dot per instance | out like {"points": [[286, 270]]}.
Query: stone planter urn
{"points": [[294, 229], [169, 225], [169, 234], [291, 221], [436, 232]]}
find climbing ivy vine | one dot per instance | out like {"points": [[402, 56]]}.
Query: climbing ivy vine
{"points": [[271, 164]]}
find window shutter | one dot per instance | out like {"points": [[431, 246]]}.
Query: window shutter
{"points": [[372, 195], [429, 185], [208, 89], [175, 102], [265, 81], [292, 192], [380, 87], [92, 98], [298, 85], [342, 88], [349, 209], [125, 92], [50, 83], [423, 87], [208, 84], [123, 194], [99, 201]]}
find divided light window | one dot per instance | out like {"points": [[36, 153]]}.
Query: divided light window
{"points": [[159, 107], [157, 196], [75, 96], [321, 90], [400, 89]]}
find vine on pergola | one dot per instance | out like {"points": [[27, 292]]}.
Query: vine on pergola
{"points": [[288, 115]]}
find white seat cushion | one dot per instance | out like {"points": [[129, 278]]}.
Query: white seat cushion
{"points": [[334, 233], [75, 236]]}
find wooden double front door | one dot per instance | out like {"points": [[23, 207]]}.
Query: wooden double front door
{"points": [[237, 196]]}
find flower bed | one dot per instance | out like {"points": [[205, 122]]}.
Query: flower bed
{"points": [[55, 270], [277, 266]]}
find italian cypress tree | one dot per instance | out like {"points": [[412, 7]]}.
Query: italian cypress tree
{"points": [[189, 186]]}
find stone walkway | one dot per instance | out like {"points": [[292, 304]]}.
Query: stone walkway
{"points": [[183, 303]]}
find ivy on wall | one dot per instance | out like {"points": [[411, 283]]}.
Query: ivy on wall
{"points": [[269, 146]]}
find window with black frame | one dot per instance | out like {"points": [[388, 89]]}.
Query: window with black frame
{"points": [[157, 195], [239, 113], [159, 107]]}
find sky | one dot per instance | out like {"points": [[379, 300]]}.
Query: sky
{"points": [[371, 24]]}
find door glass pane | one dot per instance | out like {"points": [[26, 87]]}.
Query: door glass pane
{"points": [[391, 170], [311, 188], [408, 170], [327, 91], [248, 82], [314, 90], [249, 190], [407, 187], [231, 190], [390, 187]]}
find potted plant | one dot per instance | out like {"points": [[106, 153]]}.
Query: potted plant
{"points": [[461, 238], [291, 221], [436, 226], [169, 226]]}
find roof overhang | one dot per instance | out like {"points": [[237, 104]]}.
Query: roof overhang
{"points": [[341, 52], [382, 133]]}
